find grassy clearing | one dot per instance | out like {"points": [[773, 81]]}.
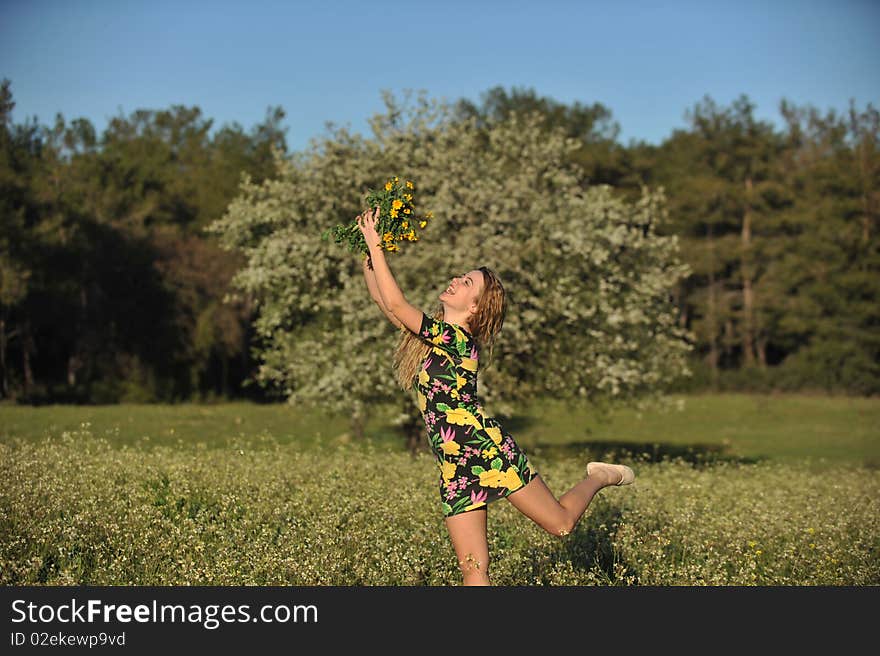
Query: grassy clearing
{"points": [[78, 510], [731, 490], [734, 426]]}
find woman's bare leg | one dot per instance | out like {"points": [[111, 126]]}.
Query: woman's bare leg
{"points": [[471, 544], [559, 517]]}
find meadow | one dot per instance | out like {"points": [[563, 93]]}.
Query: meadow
{"points": [[731, 490]]}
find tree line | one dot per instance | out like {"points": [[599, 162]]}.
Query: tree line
{"points": [[113, 289]]}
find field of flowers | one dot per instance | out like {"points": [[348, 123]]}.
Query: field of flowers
{"points": [[78, 509]]}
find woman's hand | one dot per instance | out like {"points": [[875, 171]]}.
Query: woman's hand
{"points": [[367, 223]]}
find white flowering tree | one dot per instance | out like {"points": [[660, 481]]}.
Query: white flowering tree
{"points": [[588, 277]]}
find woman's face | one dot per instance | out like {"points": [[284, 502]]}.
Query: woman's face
{"points": [[463, 291]]}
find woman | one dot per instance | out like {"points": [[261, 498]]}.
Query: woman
{"points": [[479, 463]]}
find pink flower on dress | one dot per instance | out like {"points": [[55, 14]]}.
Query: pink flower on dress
{"points": [[427, 363], [447, 436], [474, 354], [478, 497]]}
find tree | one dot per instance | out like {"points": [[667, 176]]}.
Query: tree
{"points": [[588, 276]]}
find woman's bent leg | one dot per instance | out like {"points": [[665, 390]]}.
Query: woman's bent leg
{"points": [[558, 517], [471, 544]]}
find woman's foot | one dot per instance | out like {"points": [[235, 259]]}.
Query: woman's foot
{"points": [[613, 474]]}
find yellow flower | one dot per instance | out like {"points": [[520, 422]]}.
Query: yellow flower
{"points": [[495, 433], [408, 197], [511, 479], [423, 377], [392, 248], [448, 470], [492, 478], [393, 214], [468, 364], [461, 417], [388, 236], [407, 211], [490, 453], [459, 381], [450, 448], [423, 402], [409, 185], [388, 186], [405, 225], [396, 204], [422, 224], [429, 215], [396, 178]]}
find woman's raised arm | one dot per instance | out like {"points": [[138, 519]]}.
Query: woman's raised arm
{"points": [[373, 288], [392, 298]]}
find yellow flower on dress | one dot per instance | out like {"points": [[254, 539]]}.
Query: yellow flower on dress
{"points": [[511, 479], [396, 204], [490, 453], [450, 448], [423, 402], [468, 364], [448, 470], [461, 417], [423, 377], [495, 433], [459, 381], [492, 478]]}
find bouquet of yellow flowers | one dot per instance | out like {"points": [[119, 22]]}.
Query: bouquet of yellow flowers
{"points": [[397, 220]]}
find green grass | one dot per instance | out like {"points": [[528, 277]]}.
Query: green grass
{"points": [[213, 425], [741, 426], [734, 426], [75, 510], [245, 494]]}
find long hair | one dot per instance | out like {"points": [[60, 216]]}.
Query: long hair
{"points": [[485, 324]]}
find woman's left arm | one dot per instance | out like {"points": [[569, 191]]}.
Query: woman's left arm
{"points": [[392, 297]]}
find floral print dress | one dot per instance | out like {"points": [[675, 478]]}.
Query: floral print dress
{"points": [[478, 461]]}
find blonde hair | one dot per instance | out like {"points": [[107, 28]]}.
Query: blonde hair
{"points": [[485, 324]]}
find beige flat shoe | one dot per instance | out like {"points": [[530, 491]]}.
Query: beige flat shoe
{"points": [[627, 475]]}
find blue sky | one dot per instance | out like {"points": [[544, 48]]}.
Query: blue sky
{"points": [[648, 61]]}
